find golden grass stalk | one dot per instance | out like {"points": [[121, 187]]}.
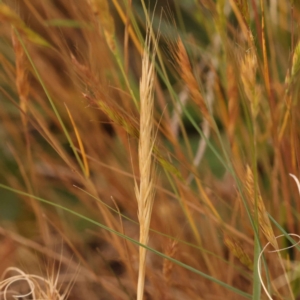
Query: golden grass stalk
{"points": [[131, 32], [145, 192]]}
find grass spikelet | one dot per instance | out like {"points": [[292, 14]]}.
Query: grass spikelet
{"points": [[21, 76], [248, 73], [237, 250], [289, 80], [296, 60], [233, 105], [248, 76], [167, 165], [257, 204], [115, 115], [145, 192], [244, 9], [186, 73], [168, 265]]}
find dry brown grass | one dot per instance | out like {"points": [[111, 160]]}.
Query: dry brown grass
{"points": [[84, 120]]}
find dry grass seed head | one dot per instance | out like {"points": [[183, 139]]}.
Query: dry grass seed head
{"points": [[296, 60], [258, 205], [233, 105], [186, 73], [145, 191], [115, 115], [167, 264], [21, 73], [238, 251], [248, 71]]}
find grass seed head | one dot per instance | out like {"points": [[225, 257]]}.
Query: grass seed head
{"points": [[258, 205], [238, 251], [186, 73], [21, 74], [296, 60]]}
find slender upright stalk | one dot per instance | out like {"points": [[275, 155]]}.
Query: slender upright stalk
{"points": [[145, 192]]}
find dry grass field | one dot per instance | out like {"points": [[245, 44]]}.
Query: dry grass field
{"points": [[149, 149]]}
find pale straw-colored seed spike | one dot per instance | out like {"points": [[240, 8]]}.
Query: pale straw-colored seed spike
{"points": [[258, 205], [145, 191], [248, 76], [248, 73]]}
